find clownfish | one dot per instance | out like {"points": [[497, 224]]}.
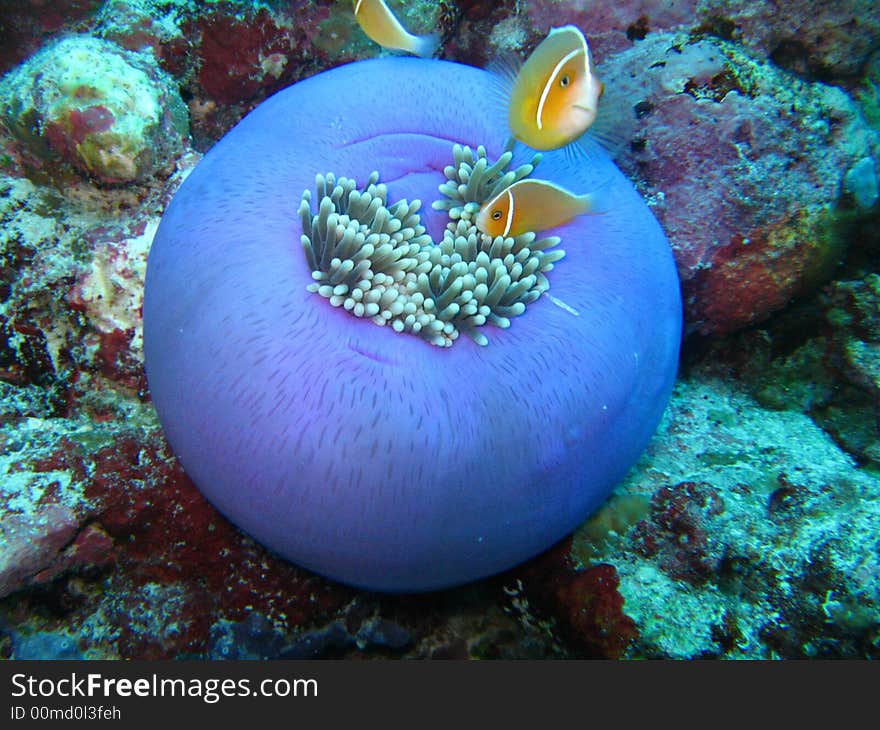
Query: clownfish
{"points": [[555, 95], [380, 24], [534, 205]]}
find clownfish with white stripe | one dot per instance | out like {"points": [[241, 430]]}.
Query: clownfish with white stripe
{"points": [[555, 95], [383, 27], [535, 205]]}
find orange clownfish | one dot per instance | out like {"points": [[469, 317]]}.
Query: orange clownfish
{"points": [[380, 24], [556, 93], [533, 205]]}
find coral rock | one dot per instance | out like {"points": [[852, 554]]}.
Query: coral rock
{"points": [[613, 27], [769, 571], [111, 114], [853, 309], [239, 56], [551, 594], [594, 611], [811, 37], [678, 531], [32, 542], [25, 24], [749, 196]]}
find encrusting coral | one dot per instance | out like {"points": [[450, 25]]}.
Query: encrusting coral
{"points": [[376, 260], [112, 115]]}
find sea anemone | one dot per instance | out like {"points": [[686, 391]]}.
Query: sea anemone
{"points": [[377, 262], [369, 453]]}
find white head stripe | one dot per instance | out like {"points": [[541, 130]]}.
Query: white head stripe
{"points": [[357, 6], [546, 90], [509, 222]]}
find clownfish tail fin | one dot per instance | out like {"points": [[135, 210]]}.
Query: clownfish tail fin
{"points": [[426, 46], [598, 201]]}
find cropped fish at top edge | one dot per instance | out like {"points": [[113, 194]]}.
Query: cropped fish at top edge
{"points": [[535, 205], [382, 26], [555, 95]]}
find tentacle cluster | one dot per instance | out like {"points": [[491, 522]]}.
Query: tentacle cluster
{"points": [[376, 260]]}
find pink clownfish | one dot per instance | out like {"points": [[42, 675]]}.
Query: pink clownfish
{"points": [[535, 205], [381, 25], [555, 95]]}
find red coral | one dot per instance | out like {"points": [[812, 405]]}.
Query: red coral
{"points": [[759, 272], [233, 52], [64, 135], [92, 548], [26, 25], [593, 610], [117, 361], [169, 535], [67, 456], [677, 534], [93, 120], [32, 543], [585, 602]]}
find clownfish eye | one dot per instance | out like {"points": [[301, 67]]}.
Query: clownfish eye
{"points": [[496, 215], [565, 81]]}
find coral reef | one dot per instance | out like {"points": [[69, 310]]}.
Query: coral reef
{"points": [[822, 40], [763, 570], [852, 312], [228, 55], [749, 529], [816, 39], [87, 509]]}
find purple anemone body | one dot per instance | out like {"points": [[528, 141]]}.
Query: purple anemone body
{"points": [[369, 456]]}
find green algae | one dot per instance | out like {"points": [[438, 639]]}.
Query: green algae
{"points": [[851, 419], [868, 93]]}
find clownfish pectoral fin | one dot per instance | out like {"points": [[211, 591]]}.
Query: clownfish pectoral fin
{"points": [[616, 122], [613, 138], [592, 147], [503, 71], [586, 151]]}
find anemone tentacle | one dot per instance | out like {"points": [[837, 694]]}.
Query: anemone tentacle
{"points": [[376, 261]]}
